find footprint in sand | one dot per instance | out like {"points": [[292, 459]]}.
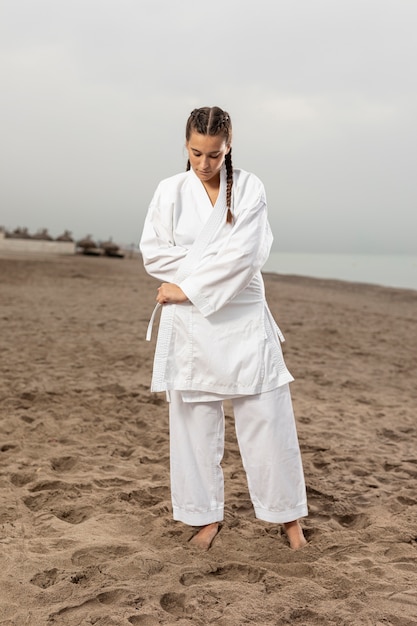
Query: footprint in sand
{"points": [[97, 606], [406, 500], [7, 447], [406, 564], [120, 596], [302, 616], [353, 520], [174, 604], [45, 579], [320, 463], [100, 554], [318, 494], [143, 620], [232, 572], [146, 497], [27, 419], [295, 570], [63, 463], [53, 504], [21, 479], [111, 482], [52, 497], [50, 485]]}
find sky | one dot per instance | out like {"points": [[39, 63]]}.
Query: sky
{"points": [[322, 95]]}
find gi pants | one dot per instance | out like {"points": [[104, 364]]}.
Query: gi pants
{"points": [[267, 437]]}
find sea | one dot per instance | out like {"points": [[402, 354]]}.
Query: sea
{"points": [[392, 270]]}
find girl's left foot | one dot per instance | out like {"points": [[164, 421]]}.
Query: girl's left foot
{"points": [[295, 535], [203, 539]]}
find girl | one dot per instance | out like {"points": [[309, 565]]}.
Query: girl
{"points": [[206, 238]]}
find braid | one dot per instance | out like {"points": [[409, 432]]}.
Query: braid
{"points": [[214, 121], [229, 180]]}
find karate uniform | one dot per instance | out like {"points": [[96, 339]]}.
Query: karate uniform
{"points": [[221, 343]]}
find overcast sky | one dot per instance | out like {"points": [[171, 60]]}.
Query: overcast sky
{"points": [[322, 95]]}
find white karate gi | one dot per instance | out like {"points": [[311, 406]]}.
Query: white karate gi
{"points": [[222, 343]]}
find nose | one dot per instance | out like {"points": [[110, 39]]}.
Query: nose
{"points": [[204, 163]]}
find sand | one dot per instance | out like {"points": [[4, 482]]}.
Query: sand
{"points": [[86, 535]]}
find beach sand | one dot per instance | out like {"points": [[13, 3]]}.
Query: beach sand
{"points": [[86, 535]]}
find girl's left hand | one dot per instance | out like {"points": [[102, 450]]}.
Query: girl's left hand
{"points": [[169, 293]]}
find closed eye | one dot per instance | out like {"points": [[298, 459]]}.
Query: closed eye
{"points": [[210, 156]]}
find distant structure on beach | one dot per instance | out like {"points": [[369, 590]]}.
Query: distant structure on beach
{"points": [[20, 240], [66, 236], [106, 248]]}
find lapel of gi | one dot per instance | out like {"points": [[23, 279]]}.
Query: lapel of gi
{"points": [[217, 217]]}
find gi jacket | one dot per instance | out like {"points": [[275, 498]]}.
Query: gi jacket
{"points": [[223, 341]]}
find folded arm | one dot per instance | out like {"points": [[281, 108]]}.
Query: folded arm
{"points": [[216, 280]]}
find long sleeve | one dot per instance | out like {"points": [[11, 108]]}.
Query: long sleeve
{"points": [[224, 340], [219, 278], [161, 256]]}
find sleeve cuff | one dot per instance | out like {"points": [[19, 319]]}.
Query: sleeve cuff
{"points": [[197, 298]]}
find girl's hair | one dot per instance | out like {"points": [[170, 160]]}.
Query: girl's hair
{"points": [[214, 121]]}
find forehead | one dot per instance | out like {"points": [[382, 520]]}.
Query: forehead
{"points": [[206, 143]]}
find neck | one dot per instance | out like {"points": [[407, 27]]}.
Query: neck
{"points": [[212, 188]]}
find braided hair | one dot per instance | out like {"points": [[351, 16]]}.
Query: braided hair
{"points": [[214, 121]]}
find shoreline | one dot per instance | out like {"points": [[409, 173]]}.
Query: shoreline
{"points": [[409, 284], [135, 255], [390, 270]]}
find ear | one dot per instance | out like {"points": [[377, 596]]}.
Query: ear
{"points": [[228, 148]]}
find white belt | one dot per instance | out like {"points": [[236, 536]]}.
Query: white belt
{"points": [[151, 321]]}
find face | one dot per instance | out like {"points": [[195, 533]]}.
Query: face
{"points": [[206, 154]]}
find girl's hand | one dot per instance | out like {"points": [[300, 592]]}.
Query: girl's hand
{"points": [[168, 293]]}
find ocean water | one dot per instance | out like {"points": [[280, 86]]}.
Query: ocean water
{"points": [[393, 270]]}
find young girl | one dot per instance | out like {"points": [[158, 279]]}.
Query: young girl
{"points": [[206, 238]]}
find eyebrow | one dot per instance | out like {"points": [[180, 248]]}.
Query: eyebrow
{"points": [[209, 153]]}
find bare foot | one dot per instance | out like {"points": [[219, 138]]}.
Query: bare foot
{"points": [[295, 535], [203, 539]]}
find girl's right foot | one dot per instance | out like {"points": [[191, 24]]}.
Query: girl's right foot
{"points": [[204, 538]]}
